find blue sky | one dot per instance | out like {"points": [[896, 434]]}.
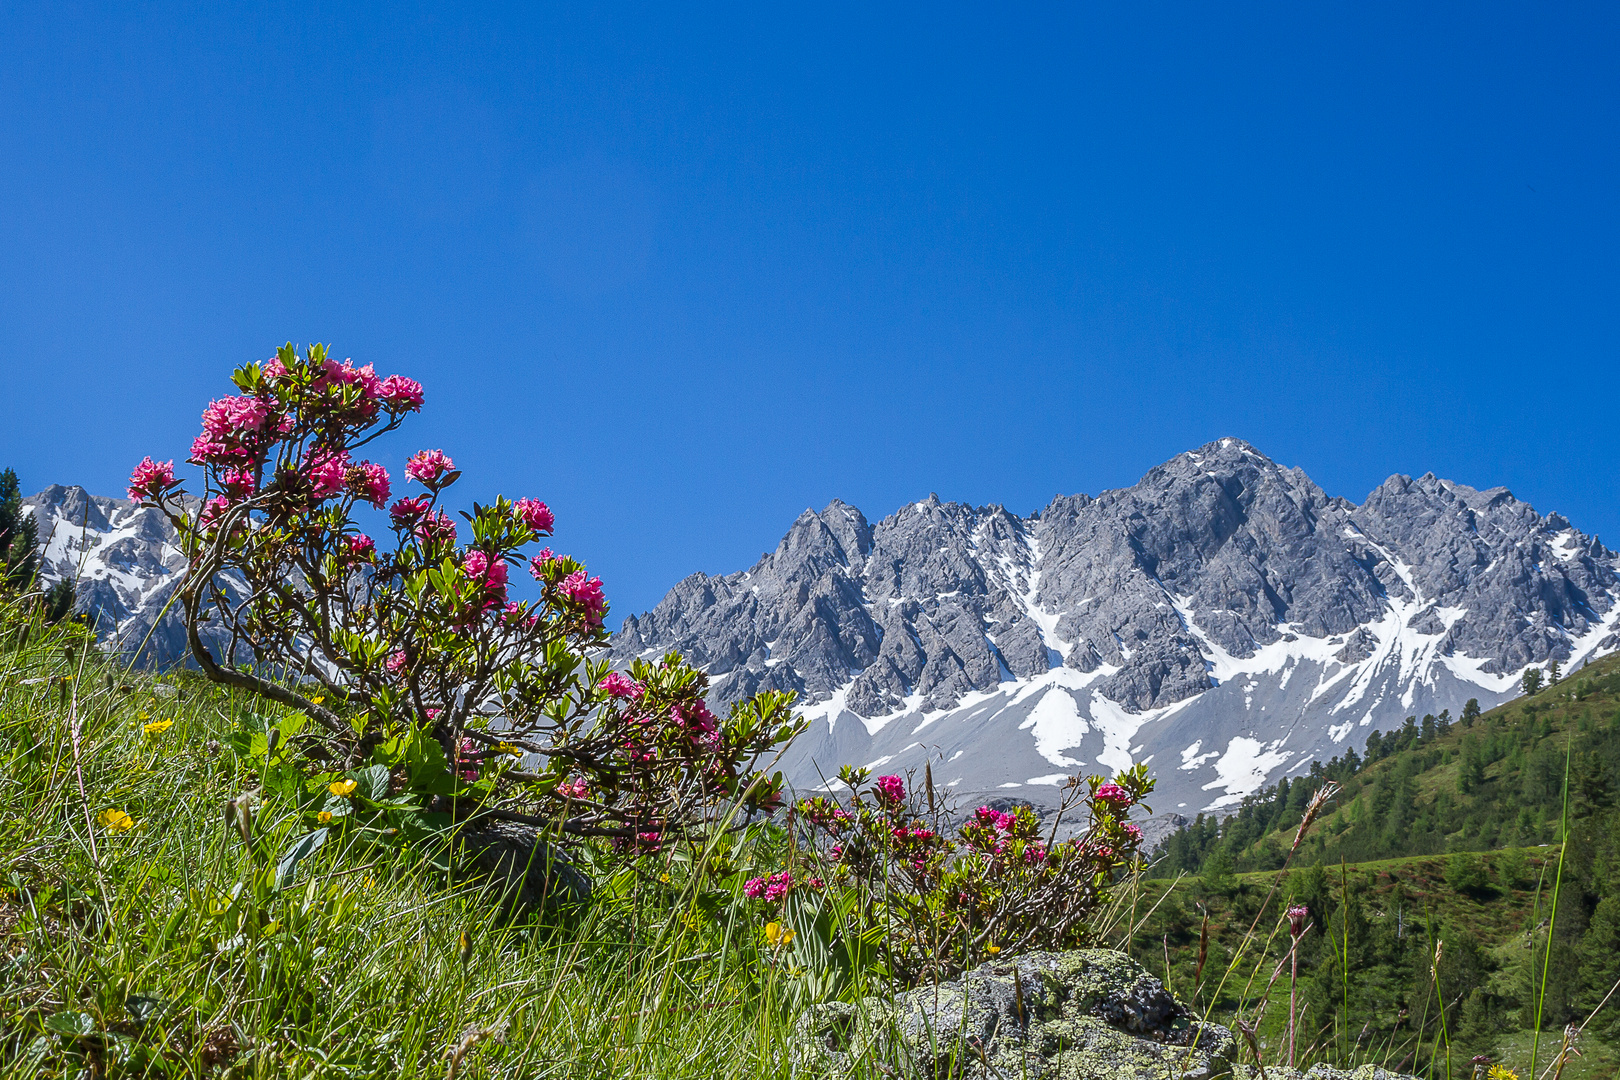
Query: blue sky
{"points": [[684, 273]]}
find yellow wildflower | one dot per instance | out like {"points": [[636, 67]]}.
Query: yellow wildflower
{"points": [[342, 788], [992, 949], [369, 883], [508, 748], [1501, 1072], [777, 934], [317, 700], [116, 821], [157, 727], [324, 816]]}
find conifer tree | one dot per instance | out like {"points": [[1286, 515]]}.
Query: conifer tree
{"points": [[59, 601], [19, 538]]}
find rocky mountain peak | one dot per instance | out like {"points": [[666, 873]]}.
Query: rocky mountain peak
{"points": [[1224, 607]]}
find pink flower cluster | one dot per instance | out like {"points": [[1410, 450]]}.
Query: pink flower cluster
{"points": [[233, 430], [695, 716], [429, 467], [370, 481], [239, 483], [468, 756], [1114, 795], [587, 594], [346, 374], [151, 479], [770, 889], [538, 564], [517, 614], [536, 515], [990, 830], [891, 789], [362, 549], [401, 394], [995, 819], [212, 511], [436, 528], [407, 512], [619, 685], [576, 788], [327, 472], [492, 574], [826, 813], [396, 663]]}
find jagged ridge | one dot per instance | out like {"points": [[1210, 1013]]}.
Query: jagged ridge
{"points": [[1224, 608]]}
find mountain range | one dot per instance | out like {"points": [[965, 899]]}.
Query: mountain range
{"points": [[1224, 620]]}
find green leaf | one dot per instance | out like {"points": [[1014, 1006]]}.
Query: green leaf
{"points": [[282, 779], [142, 1007], [291, 725], [373, 782], [71, 1023], [301, 849]]}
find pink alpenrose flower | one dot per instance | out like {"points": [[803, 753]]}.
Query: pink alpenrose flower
{"points": [[536, 515], [1114, 796], [401, 394], [370, 482], [587, 593], [151, 479], [428, 467], [619, 685]]}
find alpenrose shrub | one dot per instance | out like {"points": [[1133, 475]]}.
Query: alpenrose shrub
{"points": [[408, 650], [931, 903]]}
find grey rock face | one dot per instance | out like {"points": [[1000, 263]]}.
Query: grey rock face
{"points": [[125, 563], [1085, 1014], [1224, 620]]}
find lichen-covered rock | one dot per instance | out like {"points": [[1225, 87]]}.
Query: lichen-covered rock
{"points": [[1327, 1072], [1085, 1014], [1050, 1015]]}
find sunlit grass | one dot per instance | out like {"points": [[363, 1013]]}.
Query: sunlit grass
{"points": [[141, 935]]}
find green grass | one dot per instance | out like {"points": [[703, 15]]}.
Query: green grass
{"points": [[163, 949]]}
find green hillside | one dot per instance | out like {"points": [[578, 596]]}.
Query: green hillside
{"points": [[1446, 832]]}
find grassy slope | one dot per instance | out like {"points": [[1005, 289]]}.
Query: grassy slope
{"points": [[356, 970], [166, 944], [1502, 915], [1593, 693]]}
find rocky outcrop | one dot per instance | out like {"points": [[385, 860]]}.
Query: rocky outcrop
{"points": [[1086, 1014]]}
